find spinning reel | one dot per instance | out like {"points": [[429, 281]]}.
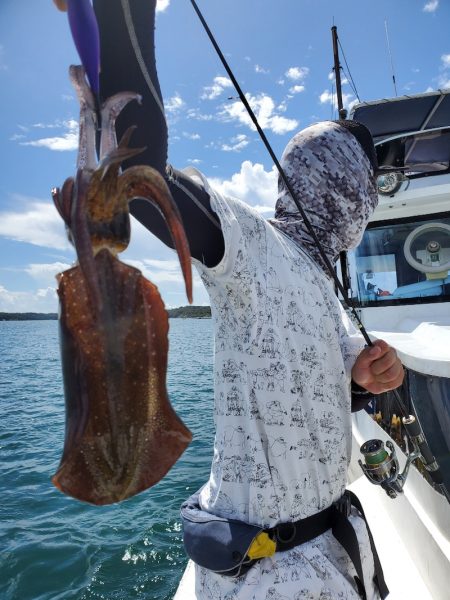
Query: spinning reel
{"points": [[382, 468]]}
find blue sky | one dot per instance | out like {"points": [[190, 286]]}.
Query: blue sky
{"points": [[281, 54]]}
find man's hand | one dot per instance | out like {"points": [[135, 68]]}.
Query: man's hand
{"points": [[378, 368]]}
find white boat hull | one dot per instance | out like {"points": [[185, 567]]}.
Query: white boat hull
{"points": [[411, 532]]}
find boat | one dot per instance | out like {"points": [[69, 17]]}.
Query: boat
{"points": [[398, 281]]}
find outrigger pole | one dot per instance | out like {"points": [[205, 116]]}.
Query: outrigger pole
{"points": [[342, 115], [337, 74], [410, 423]]}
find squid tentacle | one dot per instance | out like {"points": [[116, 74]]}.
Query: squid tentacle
{"points": [[63, 200], [119, 154], [110, 111], [145, 182], [88, 118], [80, 235]]}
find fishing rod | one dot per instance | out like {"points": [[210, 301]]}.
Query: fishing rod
{"points": [[380, 468]]}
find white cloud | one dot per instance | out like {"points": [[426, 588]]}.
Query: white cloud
{"points": [[194, 113], [67, 141], [348, 100], [252, 185], [211, 92], [297, 73], [327, 97], [3, 65], [297, 89], [45, 273], [259, 69], [191, 136], [445, 58], [174, 104], [157, 270], [431, 6], [37, 223], [265, 111], [161, 5], [237, 144], [194, 161], [42, 300], [444, 83]]}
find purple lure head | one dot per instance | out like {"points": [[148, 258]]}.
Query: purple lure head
{"points": [[84, 27]]}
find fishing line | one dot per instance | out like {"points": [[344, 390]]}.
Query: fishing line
{"points": [[411, 424]]}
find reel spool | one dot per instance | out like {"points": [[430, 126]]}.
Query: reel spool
{"points": [[382, 468]]}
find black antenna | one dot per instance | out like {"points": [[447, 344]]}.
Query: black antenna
{"points": [[337, 74], [390, 57]]}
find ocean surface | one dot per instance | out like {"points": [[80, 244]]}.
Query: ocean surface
{"points": [[53, 547]]}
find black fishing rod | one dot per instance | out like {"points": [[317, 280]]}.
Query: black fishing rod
{"points": [[410, 422]]}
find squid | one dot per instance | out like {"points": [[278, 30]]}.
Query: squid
{"points": [[122, 434]]}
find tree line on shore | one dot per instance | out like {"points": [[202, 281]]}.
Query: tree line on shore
{"points": [[182, 312]]}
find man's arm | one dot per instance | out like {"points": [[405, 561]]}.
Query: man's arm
{"points": [[127, 50]]}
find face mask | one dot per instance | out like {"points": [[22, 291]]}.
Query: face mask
{"points": [[333, 180]]}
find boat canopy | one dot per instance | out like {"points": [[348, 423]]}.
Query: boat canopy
{"points": [[411, 133], [405, 114]]}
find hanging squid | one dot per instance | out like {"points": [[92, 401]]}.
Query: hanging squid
{"points": [[122, 435]]}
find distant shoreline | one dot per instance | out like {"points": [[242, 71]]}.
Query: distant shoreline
{"points": [[183, 312]]}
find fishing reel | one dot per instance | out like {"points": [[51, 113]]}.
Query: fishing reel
{"points": [[382, 468]]}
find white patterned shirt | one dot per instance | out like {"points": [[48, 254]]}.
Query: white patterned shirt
{"points": [[284, 350]]}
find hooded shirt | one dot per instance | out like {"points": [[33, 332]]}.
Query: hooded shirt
{"points": [[284, 349], [333, 179]]}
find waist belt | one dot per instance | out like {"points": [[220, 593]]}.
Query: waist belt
{"points": [[230, 547]]}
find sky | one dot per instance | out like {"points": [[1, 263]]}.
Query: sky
{"points": [[280, 52]]}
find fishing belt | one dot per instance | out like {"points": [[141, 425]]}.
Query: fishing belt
{"points": [[231, 547]]}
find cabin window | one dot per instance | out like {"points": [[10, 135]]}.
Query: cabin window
{"points": [[403, 261]]}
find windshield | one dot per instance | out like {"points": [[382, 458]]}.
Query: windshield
{"points": [[403, 261]]}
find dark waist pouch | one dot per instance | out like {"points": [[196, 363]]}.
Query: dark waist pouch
{"points": [[231, 547], [218, 544]]}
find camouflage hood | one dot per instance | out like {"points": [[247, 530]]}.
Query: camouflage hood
{"points": [[333, 180]]}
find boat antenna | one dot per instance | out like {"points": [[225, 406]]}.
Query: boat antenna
{"points": [[390, 56], [410, 423], [337, 74]]}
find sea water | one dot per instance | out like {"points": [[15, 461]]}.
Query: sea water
{"points": [[53, 547]]}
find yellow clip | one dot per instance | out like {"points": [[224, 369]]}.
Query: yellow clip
{"points": [[262, 547]]}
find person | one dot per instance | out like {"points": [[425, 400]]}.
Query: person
{"points": [[288, 361]]}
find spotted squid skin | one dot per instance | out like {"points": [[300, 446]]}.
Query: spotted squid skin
{"points": [[122, 435]]}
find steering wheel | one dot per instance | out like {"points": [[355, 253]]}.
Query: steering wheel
{"points": [[431, 247]]}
